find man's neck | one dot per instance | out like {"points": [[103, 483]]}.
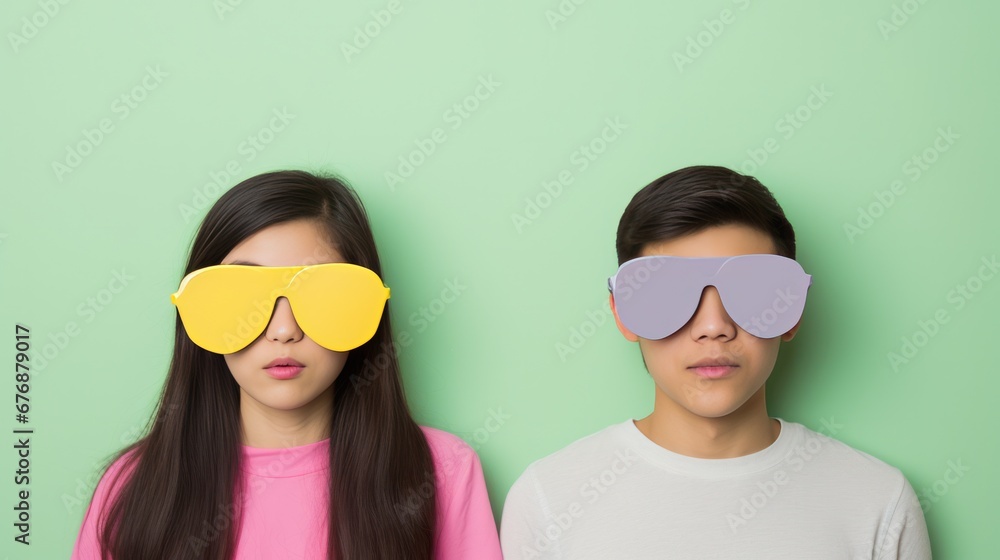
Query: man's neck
{"points": [[747, 430]]}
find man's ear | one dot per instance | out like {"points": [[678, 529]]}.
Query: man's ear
{"points": [[629, 335], [791, 332]]}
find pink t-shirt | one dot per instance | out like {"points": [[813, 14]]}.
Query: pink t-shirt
{"points": [[287, 496]]}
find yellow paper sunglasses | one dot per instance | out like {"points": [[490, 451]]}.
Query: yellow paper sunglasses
{"points": [[226, 307]]}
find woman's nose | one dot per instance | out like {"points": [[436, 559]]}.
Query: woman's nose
{"points": [[283, 326]]}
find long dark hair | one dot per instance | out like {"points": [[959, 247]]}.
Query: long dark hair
{"points": [[184, 470]]}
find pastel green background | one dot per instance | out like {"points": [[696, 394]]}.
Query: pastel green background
{"points": [[528, 337]]}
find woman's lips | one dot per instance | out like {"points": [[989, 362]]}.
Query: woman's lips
{"points": [[286, 361], [283, 372], [284, 368]]}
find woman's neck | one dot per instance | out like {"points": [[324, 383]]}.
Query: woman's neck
{"points": [[267, 427]]}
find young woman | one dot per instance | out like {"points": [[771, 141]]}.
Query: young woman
{"points": [[282, 430]]}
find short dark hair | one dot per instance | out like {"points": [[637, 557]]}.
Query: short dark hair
{"points": [[694, 198]]}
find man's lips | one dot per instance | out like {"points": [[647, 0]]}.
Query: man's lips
{"points": [[713, 368], [713, 362]]}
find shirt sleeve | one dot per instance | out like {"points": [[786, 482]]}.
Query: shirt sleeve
{"points": [[466, 527], [523, 520], [87, 546], [905, 536]]}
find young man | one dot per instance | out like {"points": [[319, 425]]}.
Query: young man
{"points": [[709, 289]]}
